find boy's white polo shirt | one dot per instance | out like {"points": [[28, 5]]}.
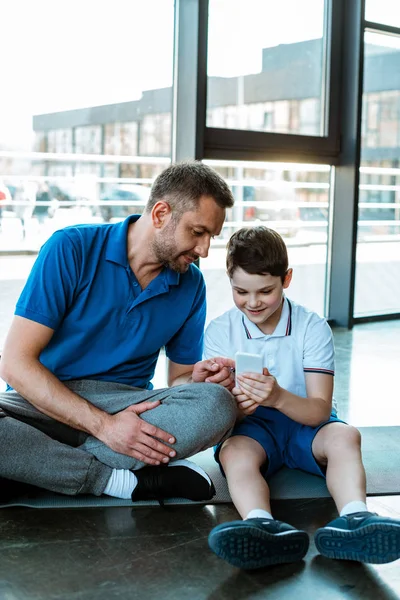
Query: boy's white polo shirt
{"points": [[301, 343]]}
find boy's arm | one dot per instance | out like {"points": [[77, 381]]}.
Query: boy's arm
{"points": [[266, 391], [318, 364], [312, 410]]}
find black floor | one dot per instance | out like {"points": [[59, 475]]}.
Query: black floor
{"points": [[155, 553], [162, 554]]}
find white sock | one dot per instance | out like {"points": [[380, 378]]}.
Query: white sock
{"points": [[190, 465], [121, 484], [259, 513], [353, 507]]}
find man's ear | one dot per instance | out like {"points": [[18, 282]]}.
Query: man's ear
{"points": [[288, 278], [161, 214]]}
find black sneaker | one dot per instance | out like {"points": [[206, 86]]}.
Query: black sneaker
{"points": [[362, 536], [180, 479], [256, 543]]}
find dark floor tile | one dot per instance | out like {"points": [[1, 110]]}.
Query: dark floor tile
{"points": [[151, 553]]}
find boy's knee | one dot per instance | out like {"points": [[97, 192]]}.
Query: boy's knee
{"points": [[343, 436], [237, 450], [351, 436]]}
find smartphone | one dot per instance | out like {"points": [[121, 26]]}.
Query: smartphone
{"points": [[248, 363]]}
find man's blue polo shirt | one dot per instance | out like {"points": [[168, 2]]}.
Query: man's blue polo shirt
{"points": [[105, 326]]}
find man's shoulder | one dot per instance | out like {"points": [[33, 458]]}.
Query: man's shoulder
{"points": [[86, 231]]}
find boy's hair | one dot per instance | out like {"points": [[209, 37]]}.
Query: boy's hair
{"points": [[183, 184], [258, 251]]}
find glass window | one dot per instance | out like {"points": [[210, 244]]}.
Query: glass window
{"points": [[266, 67], [58, 140], [77, 79], [377, 287], [88, 139], [155, 135], [81, 89], [383, 11], [294, 200], [121, 138]]}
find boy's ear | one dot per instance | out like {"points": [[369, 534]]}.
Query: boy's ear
{"points": [[288, 278]]}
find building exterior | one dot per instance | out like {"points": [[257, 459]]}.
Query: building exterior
{"points": [[284, 97]]}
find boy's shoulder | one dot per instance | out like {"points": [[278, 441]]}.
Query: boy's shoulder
{"points": [[228, 319], [308, 326], [301, 313]]}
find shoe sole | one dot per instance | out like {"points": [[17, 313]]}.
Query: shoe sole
{"points": [[377, 543], [252, 548]]}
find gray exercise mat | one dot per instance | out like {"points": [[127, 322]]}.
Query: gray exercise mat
{"points": [[381, 452]]}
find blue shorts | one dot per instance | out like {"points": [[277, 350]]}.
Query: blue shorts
{"points": [[286, 442]]}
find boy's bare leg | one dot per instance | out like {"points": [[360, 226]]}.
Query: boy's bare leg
{"points": [[337, 447], [257, 541], [242, 458], [357, 534]]}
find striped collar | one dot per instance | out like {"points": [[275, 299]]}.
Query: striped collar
{"points": [[283, 328]]}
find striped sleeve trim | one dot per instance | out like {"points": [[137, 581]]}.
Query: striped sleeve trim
{"points": [[323, 371]]}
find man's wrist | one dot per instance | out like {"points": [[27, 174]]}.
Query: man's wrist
{"points": [[100, 423]]}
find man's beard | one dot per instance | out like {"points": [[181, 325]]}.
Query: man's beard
{"points": [[166, 252]]}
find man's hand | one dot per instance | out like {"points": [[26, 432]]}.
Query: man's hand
{"points": [[126, 433], [215, 370], [257, 389]]}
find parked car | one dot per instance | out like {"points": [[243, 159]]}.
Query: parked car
{"points": [[5, 195], [132, 197], [70, 196]]}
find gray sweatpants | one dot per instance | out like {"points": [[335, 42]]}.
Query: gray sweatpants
{"points": [[39, 450]]}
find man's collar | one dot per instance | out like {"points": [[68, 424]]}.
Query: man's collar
{"points": [[117, 243], [283, 328], [117, 248]]}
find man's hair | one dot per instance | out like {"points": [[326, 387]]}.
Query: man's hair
{"points": [[258, 251], [183, 184]]}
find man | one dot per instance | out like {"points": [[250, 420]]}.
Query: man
{"points": [[79, 415]]}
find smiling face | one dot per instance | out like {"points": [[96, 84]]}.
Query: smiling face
{"points": [[178, 244], [259, 297]]}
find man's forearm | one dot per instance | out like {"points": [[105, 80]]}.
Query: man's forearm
{"points": [[307, 411], [50, 396], [182, 379]]}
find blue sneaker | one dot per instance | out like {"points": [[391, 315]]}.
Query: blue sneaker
{"points": [[257, 543], [362, 536]]}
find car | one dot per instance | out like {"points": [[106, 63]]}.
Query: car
{"points": [[70, 196], [5, 195], [126, 199]]}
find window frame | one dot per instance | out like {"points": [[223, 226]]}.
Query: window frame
{"points": [[234, 144]]}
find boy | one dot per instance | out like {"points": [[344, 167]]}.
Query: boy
{"points": [[287, 419]]}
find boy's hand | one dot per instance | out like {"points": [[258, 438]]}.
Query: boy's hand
{"points": [[245, 405], [215, 370], [261, 389]]}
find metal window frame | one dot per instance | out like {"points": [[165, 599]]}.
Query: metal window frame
{"points": [[234, 144], [341, 147], [191, 137], [380, 28]]}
